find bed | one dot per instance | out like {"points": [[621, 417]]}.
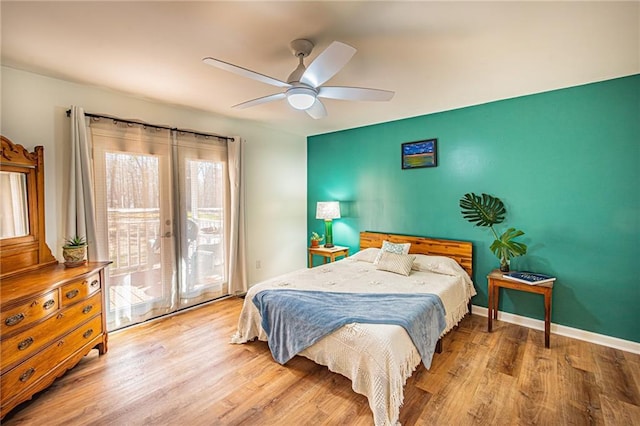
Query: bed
{"points": [[377, 358]]}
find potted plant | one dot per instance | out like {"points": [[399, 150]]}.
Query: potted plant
{"points": [[487, 211], [315, 239], [74, 251]]}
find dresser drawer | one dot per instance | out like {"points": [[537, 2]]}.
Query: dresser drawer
{"points": [[28, 312], [30, 371], [78, 290], [28, 342]]}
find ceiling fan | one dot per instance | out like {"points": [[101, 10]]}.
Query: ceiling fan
{"points": [[304, 86]]}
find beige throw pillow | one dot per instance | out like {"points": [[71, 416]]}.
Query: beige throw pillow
{"points": [[396, 263]]}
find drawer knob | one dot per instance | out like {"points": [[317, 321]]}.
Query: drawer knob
{"points": [[88, 333], [48, 304], [95, 283], [25, 343], [14, 319], [73, 293], [27, 374], [87, 309]]}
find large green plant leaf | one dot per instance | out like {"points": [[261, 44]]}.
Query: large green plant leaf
{"points": [[485, 210], [505, 248]]}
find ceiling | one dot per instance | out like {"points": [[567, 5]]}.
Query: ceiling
{"points": [[436, 56]]}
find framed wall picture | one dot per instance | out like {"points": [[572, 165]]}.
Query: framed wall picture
{"points": [[420, 154]]}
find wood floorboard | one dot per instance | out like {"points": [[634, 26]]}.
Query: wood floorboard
{"points": [[537, 384], [578, 387], [182, 370]]}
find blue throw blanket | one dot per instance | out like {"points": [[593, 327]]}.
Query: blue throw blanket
{"points": [[295, 320]]}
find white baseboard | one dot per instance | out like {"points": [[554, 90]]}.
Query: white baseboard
{"points": [[575, 333]]}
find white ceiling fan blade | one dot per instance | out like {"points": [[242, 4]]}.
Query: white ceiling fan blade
{"points": [[317, 110], [327, 64], [258, 101], [244, 72], [355, 93]]}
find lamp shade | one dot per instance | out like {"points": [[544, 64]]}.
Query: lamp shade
{"points": [[328, 210]]}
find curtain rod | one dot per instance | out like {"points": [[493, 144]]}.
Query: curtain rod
{"points": [[155, 126]]}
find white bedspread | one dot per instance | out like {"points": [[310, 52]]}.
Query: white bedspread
{"points": [[378, 359]]}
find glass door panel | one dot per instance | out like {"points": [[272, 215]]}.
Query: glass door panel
{"points": [[202, 213], [133, 220], [135, 225]]}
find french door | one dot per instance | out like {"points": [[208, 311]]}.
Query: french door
{"points": [[161, 208], [202, 181]]}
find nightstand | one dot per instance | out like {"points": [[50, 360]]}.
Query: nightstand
{"points": [[496, 280], [329, 254]]}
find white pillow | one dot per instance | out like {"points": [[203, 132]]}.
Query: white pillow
{"points": [[367, 255], [396, 263], [438, 264], [392, 248], [445, 266]]}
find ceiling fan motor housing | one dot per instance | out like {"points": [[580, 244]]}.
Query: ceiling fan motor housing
{"points": [[300, 96]]}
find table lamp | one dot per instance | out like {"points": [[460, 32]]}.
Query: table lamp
{"points": [[328, 210]]}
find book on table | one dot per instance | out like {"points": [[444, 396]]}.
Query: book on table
{"points": [[532, 278]]}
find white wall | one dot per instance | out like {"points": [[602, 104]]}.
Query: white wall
{"points": [[34, 113]]}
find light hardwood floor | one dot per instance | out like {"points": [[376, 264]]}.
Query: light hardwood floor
{"points": [[181, 370]]}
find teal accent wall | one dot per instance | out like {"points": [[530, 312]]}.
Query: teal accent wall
{"points": [[566, 164]]}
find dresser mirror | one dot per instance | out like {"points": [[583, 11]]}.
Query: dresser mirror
{"points": [[14, 209], [22, 236]]}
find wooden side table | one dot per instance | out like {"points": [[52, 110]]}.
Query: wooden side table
{"points": [[496, 280], [329, 254]]}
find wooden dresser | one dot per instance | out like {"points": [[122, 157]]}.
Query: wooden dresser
{"points": [[50, 319], [50, 315]]}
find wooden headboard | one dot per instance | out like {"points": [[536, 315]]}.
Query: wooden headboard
{"points": [[461, 251]]}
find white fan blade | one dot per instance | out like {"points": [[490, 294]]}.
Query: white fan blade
{"points": [[327, 64], [355, 93], [245, 72], [263, 100], [317, 110]]}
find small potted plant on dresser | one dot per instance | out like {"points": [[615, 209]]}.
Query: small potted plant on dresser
{"points": [[74, 251], [315, 239]]}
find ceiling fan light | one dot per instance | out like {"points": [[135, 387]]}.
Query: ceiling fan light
{"points": [[301, 97]]}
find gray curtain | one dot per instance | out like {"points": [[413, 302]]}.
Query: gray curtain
{"points": [[81, 217], [236, 256]]}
